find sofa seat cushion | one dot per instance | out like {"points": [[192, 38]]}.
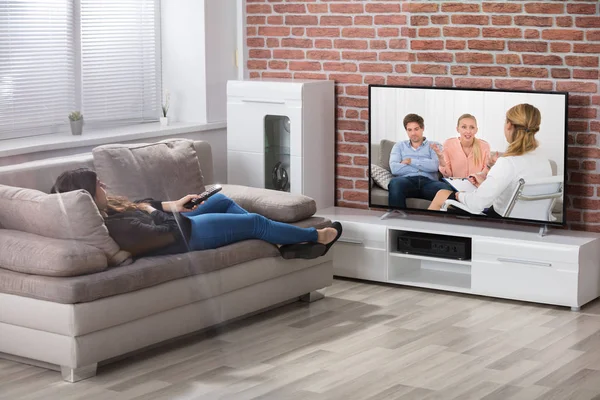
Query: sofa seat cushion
{"points": [[33, 254], [145, 272], [274, 204], [166, 170]]}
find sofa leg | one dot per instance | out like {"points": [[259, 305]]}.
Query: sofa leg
{"points": [[312, 296], [78, 374]]}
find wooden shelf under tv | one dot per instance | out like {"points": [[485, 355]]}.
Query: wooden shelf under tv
{"points": [[507, 260]]}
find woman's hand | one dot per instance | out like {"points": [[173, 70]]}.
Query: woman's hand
{"points": [[178, 205], [492, 158], [477, 179], [436, 149]]}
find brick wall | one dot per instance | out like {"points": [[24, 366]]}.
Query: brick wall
{"points": [[551, 45]]}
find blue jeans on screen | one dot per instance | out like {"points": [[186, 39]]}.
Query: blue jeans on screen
{"points": [[403, 187], [221, 221]]}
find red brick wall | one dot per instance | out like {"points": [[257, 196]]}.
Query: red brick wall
{"points": [[547, 45]]}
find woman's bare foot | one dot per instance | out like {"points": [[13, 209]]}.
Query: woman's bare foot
{"points": [[326, 235]]}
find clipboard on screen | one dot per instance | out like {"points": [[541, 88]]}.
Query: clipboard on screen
{"points": [[460, 184]]}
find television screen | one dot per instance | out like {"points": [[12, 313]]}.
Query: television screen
{"points": [[470, 152]]}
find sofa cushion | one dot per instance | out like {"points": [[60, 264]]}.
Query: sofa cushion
{"points": [[34, 254], [385, 149], [143, 273], [273, 204], [166, 170], [381, 176], [69, 216]]}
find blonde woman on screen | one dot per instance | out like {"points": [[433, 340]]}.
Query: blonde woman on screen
{"points": [[519, 161], [465, 155]]}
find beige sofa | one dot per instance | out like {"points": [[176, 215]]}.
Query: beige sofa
{"points": [[73, 323]]}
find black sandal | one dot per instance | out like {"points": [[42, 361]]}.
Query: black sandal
{"points": [[338, 227], [307, 251]]}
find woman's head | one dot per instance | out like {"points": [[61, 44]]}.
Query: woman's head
{"points": [[82, 178], [467, 128], [522, 123]]}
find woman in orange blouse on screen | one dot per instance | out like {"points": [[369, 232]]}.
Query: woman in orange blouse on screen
{"points": [[465, 155]]}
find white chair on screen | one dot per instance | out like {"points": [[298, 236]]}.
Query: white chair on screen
{"points": [[532, 199]]}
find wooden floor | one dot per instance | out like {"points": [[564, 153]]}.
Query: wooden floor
{"points": [[363, 341]]}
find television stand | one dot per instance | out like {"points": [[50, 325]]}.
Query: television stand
{"points": [[389, 213], [511, 262]]}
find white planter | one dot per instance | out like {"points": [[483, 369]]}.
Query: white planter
{"points": [[164, 121], [76, 127]]}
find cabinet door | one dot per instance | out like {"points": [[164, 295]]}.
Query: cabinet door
{"points": [[524, 281], [246, 124], [245, 168]]}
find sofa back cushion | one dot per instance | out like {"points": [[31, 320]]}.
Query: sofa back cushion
{"points": [[69, 216], [166, 170], [385, 149]]}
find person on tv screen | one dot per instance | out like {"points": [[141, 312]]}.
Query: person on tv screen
{"points": [[415, 165], [519, 161], [465, 155]]}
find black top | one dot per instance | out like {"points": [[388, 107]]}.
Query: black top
{"points": [[130, 228]]}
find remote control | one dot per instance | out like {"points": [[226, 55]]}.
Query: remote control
{"points": [[203, 196]]}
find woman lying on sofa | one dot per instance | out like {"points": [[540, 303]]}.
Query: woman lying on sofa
{"points": [[151, 227]]}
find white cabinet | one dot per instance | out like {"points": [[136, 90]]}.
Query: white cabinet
{"points": [[562, 268], [281, 135]]}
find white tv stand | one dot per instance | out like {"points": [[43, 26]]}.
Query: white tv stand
{"points": [[507, 261]]}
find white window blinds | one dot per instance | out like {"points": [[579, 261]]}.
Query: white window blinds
{"points": [[120, 67], [98, 56], [37, 64]]}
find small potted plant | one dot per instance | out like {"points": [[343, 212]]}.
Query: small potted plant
{"points": [[164, 119], [76, 121]]}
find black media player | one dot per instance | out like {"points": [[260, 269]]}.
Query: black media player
{"points": [[433, 245]]}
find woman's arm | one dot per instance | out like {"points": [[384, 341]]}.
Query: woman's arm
{"points": [[494, 184], [446, 169], [150, 205]]}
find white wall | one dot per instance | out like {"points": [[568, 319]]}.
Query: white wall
{"points": [[221, 43], [199, 40], [242, 49], [441, 108], [183, 61]]}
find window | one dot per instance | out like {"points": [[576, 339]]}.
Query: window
{"points": [[98, 56]]}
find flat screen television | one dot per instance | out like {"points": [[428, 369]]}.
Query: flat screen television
{"points": [[494, 182]]}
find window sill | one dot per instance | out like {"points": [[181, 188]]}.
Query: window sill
{"points": [[34, 144]]}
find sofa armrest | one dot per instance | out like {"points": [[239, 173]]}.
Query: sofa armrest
{"points": [[273, 204], [34, 254]]}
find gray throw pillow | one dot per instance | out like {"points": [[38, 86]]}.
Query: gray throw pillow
{"points": [[381, 176], [385, 149], [273, 204], [38, 255], [69, 216], [166, 170]]}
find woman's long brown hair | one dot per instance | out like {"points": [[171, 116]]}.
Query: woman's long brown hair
{"points": [[86, 179]]}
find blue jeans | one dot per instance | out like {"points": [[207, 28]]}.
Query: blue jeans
{"points": [[220, 221], [402, 187]]}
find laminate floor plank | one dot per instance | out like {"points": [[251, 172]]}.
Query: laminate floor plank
{"points": [[362, 341]]}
